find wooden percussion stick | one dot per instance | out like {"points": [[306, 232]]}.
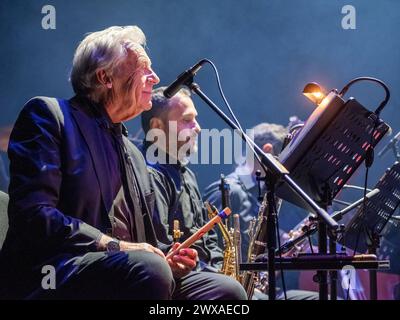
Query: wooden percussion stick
{"points": [[203, 230]]}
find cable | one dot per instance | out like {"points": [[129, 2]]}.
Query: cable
{"points": [[382, 104], [233, 114], [252, 149], [368, 163]]}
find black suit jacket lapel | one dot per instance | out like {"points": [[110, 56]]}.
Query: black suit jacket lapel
{"points": [[91, 133]]}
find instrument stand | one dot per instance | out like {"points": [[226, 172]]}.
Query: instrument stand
{"points": [[272, 231], [373, 276], [335, 140], [333, 275], [322, 276], [364, 230], [337, 216], [271, 237], [276, 172]]}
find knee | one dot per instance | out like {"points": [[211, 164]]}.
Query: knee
{"points": [[154, 275], [222, 287], [233, 290]]}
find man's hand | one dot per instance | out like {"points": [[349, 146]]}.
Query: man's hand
{"points": [[129, 246], [183, 262]]}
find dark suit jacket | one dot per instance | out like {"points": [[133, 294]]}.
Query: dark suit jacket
{"points": [[59, 191]]}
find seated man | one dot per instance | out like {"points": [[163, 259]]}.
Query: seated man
{"points": [[173, 121], [81, 202]]}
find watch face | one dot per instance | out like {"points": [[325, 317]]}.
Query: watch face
{"points": [[113, 246]]}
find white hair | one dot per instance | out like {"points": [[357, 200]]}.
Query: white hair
{"points": [[102, 50]]}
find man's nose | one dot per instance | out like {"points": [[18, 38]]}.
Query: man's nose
{"points": [[197, 127], [153, 78]]}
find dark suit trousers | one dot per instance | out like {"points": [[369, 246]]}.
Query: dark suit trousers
{"points": [[138, 275]]}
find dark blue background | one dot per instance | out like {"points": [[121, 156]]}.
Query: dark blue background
{"points": [[266, 51]]}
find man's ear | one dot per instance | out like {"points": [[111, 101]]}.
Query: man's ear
{"points": [[156, 123], [268, 148], [104, 79]]}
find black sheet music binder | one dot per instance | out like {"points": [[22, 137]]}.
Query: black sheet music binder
{"points": [[329, 148], [378, 211]]}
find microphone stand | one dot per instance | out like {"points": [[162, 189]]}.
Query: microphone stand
{"points": [[275, 172]]}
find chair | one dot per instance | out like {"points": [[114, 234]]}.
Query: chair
{"points": [[3, 217]]}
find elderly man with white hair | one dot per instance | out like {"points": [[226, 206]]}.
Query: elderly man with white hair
{"points": [[80, 210]]}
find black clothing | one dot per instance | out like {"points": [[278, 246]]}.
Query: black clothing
{"points": [[178, 197], [75, 176]]}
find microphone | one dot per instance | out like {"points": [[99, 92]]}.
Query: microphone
{"points": [[390, 145], [175, 86]]}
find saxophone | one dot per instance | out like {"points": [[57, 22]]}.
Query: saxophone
{"points": [[258, 237], [231, 236], [299, 238], [230, 265]]}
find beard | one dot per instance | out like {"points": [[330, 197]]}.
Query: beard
{"points": [[188, 148]]}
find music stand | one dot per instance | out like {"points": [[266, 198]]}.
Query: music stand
{"points": [[390, 247], [324, 155], [275, 171], [330, 147], [363, 231]]}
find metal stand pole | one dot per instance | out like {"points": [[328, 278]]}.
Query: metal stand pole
{"points": [[333, 274], [373, 276], [322, 276], [271, 239]]}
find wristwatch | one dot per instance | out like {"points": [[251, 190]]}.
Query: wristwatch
{"points": [[113, 246]]}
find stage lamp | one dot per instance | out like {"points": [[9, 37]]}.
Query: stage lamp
{"points": [[314, 92]]}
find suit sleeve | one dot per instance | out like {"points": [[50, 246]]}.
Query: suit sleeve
{"points": [[36, 178]]}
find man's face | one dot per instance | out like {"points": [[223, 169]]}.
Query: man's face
{"points": [[181, 126], [132, 85]]}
